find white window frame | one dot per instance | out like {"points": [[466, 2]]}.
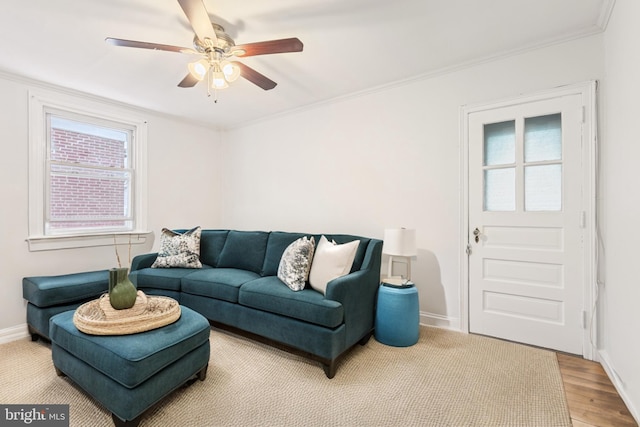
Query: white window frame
{"points": [[40, 104]]}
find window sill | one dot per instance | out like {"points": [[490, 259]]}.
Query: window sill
{"points": [[50, 243]]}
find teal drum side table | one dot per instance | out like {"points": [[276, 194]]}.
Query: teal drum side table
{"points": [[397, 315]]}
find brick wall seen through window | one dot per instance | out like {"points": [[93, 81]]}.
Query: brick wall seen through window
{"points": [[89, 177]]}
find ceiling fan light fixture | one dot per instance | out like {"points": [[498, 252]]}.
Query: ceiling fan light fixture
{"points": [[218, 81], [230, 70], [215, 46], [199, 69]]}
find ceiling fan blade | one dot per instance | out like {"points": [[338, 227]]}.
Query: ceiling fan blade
{"points": [[199, 19], [268, 47], [255, 77], [188, 81], [145, 45]]}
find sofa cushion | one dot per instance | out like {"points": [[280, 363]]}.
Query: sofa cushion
{"points": [[48, 291], [331, 261], [219, 283], [162, 278], [244, 250], [295, 263], [346, 238], [276, 245], [180, 250], [271, 295], [211, 244]]}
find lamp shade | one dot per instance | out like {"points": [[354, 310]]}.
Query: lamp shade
{"points": [[199, 69], [230, 70], [218, 81], [399, 242]]}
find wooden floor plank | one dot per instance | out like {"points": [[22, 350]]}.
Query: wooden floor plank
{"points": [[592, 399]]}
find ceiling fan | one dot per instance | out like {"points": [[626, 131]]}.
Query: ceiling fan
{"points": [[216, 48]]}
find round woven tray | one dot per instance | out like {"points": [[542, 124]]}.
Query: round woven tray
{"points": [[97, 317]]}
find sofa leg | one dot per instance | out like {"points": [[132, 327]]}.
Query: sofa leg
{"points": [[330, 369], [34, 334], [364, 340], [59, 372], [202, 373], [121, 423]]}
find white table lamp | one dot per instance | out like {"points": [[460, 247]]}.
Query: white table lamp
{"points": [[399, 243]]}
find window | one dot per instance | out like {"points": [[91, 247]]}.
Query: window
{"points": [[537, 152], [543, 163], [499, 166], [89, 176], [87, 173]]}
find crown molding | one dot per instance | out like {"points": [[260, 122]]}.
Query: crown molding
{"points": [[605, 14]]}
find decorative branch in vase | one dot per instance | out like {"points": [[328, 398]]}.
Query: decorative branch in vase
{"points": [[122, 293]]}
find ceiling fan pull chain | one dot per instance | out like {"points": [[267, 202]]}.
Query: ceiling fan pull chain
{"points": [[215, 90]]}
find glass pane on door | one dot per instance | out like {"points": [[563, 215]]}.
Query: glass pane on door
{"points": [[500, 143], [543, 138], [500, 189], [543, 188]]}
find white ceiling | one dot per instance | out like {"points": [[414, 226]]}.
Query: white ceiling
{"points": [[349, 46]]}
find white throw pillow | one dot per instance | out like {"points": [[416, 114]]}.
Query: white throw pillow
{"points": [[331, 261], [296, 262]]}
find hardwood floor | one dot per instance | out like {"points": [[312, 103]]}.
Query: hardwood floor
{"points": [[592, 398]]}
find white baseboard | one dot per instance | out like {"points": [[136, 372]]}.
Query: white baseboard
{"points": [[428, 319], [605, 361], [13, 333], [439, 321]]}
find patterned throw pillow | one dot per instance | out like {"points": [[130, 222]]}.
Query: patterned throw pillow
{"points": [[179, 250], [296, 262]]}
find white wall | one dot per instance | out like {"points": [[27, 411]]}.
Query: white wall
{"points": [[183, 190], [386, 158], [620, 154]]}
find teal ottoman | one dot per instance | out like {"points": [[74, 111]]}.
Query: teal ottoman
{"points": [[130, 373], [50, 295]]}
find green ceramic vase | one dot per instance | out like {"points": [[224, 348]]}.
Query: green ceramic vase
{"points": [[122, 293]]}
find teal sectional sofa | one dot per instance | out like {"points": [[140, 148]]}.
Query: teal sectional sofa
{"points": [[238, 288]]}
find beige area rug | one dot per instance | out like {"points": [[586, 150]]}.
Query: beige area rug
{"points": [[446, 379]]}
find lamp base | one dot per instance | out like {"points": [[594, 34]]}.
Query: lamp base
{"points": [[402, 259]]}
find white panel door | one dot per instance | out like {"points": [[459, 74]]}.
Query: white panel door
{"points": [[526, 259]]}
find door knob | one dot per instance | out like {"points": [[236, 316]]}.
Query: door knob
{"points": [[476, 233]]}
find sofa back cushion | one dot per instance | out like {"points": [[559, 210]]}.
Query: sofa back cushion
{"points": [[244, 250], [278, 242], [345, 238], [211, 244]]}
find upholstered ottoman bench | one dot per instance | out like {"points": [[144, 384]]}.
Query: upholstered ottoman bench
{"points": [[130, 373], [50, 295]]}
